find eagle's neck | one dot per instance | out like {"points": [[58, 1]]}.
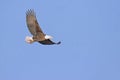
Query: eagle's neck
{"points": [[48, 37]]}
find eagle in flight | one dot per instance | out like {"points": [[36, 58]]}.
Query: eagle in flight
{"points": [[36, 31]]}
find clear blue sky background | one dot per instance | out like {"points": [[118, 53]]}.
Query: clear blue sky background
{"points": [[88, 29]]}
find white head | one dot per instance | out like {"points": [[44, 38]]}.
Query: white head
{"points": [[29, 39], [48, 37]]}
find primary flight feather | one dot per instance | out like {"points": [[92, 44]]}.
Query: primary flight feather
{"points": [[36, 31]]}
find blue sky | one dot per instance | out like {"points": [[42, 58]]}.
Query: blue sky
{"points": [[88, 29]]}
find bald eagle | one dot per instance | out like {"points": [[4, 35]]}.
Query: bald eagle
{"points": [[36, 31]]}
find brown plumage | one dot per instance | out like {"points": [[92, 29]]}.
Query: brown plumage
{"points": [[36, 31]]}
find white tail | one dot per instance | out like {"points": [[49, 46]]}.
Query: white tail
{"points": [[29, 39]]}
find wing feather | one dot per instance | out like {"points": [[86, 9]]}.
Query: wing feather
{"points": [[48, 42], [32, 23]]}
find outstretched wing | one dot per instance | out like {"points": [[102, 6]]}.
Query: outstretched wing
{"points": [[48, 42], [32, 23]]}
